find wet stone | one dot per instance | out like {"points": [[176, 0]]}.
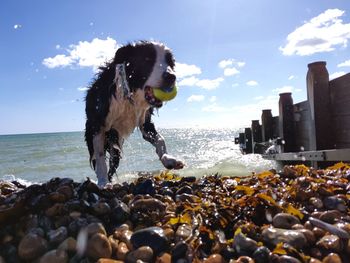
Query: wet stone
{"points": [[69, 245], [179, 251], [184, 190], [244, 245], [316, 202], [54, 256], [334, 202], [75, 226], [122, 251], [214, 258], [261, 255], [183, 232], [143, 253], [95, 228], [144, 188], [31, 247], [57, 236], [331, 242], [120, 213], [164, 258], [98, 246], [277, 235], [101, 208], [330, 216], [153, 237], [284, 220], [288, 259], [332, 258], [245, 259]]}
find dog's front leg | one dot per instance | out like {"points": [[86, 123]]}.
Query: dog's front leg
{"points": [[150, 134], [101, 167]]}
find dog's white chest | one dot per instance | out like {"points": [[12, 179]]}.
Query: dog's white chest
{"points": [[125, 116]]}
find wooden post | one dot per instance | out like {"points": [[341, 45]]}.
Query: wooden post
{"points": [[256, 134], [317, 80], [248, 140], [266, 122], [286, 122], [275, 127]]}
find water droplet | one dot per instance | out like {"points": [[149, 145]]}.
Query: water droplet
{"points": [[302, 148], [283, 142], [303, 158], [130, 76], [128, 64]]}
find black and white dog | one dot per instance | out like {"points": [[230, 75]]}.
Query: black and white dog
{"points": [[121, 99]]}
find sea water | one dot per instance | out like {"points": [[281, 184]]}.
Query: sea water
{"points": [[40, 157]]}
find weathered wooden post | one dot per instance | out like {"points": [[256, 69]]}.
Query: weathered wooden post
{"points": [[275, 127], [248, 140], [286, 121], [256, 135], [266, 123], [317, 80]]}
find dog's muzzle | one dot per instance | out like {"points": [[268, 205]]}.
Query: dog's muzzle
{"points": [[155, 96]]}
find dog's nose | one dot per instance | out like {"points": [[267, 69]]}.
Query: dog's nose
{"points": [[168, 78]]}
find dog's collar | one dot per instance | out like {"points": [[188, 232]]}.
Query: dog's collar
{"points": [[123, 83]]}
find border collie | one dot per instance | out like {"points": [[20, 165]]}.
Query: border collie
{"points": [[121, 99]]}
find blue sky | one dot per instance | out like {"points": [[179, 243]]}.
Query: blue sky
{"points": [[233, 57]]}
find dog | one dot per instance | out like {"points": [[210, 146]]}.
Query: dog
{"points": [[121, 99]]}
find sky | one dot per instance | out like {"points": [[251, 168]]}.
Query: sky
{"points": [[233, 57]]}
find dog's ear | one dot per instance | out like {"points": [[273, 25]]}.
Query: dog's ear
{"points": [[123, 53]]}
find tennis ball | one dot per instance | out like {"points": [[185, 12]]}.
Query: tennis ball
{"points": [[163, 95]]}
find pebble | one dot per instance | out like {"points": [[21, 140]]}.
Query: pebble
{"points": [[183, 232], [330, 216], [98, 246], [122, 251], [244, 245], [214, 258], [277, 235], [31, 247], [151, 236], [330, 242], [69, 245], [120, 213], [179, 250], [334, 202], [95, 228], [284, 220], [54, 256], [316, 202], [163, 258], [261, 255], [109, 260], [288, 259], [57, 236], [332, 258], [101, 208], [244, 259], [143, 253]]}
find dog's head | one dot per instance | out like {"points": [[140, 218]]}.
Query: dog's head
{"points": [[148, 65]]}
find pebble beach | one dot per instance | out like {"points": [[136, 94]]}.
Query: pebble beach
{"points": [[297, 214]]}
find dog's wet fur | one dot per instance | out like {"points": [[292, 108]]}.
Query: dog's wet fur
{"points": [[111, 117]]}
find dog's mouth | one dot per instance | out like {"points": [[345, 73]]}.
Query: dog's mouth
{"points": [[151, 99]]}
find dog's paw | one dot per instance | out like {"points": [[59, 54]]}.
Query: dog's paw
{"points": [[170, 162]]}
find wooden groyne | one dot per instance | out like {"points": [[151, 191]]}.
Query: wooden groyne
{"points": [[316, 130]]}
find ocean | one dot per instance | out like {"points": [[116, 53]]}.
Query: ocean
{"points": [[36, 158]]}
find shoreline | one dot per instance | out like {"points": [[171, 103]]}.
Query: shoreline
{"points": [[296, 215]]}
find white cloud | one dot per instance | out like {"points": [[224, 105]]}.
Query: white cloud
{"points": [[285, 89], [235, 85], [82, 88], [229, 62], [85, 54], [212, 99], [336, 75], [344, 64], [58, 61], [57, 46], [193, 98], [321, 34], [208, 84], [185, 70], [291, 77], [252, 83], [191, 81], [230, 71]]}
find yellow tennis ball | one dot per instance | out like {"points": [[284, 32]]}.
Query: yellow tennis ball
{"points": [[163, 95]]}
